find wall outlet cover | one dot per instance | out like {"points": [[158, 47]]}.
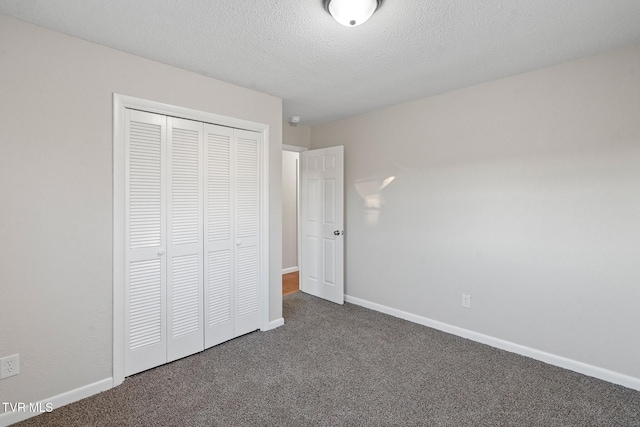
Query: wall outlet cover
{"points": [[9, 366], [466, 300]]}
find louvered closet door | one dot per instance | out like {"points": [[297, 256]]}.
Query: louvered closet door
{"points": [[185, 237], [145, 228], [192, 224], [219, 274], [231, 233], [247, 226]]}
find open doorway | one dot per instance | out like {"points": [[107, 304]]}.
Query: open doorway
{"points": [[313, 221], [290, 218]]}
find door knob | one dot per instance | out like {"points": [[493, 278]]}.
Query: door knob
{"points": [[161, 252], [238, 243], [336, 233]]}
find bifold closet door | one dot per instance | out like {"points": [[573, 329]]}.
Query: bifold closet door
{"points": [[145, 237], [192, 237], [185, 333], [231, 233], [247, 229], [164, 202]]}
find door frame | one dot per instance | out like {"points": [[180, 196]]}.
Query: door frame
{"points": [[299, 150], [120, 104]]}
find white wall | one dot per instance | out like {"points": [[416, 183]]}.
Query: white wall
{"points": [[289, 210], [56, 150], [523, 192]]}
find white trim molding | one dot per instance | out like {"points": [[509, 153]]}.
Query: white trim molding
{"points": [[289, 270], [33, 409], [274, 324], [552, 359], [287, 147]]}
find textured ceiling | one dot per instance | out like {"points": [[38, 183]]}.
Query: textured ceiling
{"points": [[323, 71]]}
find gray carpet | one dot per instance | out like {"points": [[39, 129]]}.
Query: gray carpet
{"points": [[349, 366]]}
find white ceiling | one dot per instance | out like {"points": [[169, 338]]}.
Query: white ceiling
{"points": [[323, 71]]}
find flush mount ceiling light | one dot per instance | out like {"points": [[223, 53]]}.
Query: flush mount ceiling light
{"points": [[351, 13]]}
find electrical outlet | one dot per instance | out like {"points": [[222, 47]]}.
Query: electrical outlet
{"points": [[9, 366], [466, 300]]}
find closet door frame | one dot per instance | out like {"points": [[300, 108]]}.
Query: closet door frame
{"points": [[120, 104]]}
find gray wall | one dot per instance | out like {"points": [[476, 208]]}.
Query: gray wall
{"points": [[56, 150], [523, 192], [299, 136], [296, 135], [289, 209]]}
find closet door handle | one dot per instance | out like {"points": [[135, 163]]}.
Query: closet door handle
{"points": [[161, 252], [238, 243]]}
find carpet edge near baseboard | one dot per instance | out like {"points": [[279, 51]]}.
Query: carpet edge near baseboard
{"points": [[542, 356]]}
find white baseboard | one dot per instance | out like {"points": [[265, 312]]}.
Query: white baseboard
{"points": [[289, 270], [552, 359], [54, 402], [274, 324]]}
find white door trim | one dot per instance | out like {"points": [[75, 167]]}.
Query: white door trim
{"points": [[120, 103], [295, 148]]}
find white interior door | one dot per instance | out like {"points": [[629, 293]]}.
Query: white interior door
{"points": [[322, 223]]}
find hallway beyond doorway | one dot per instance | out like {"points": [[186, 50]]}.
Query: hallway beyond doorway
{"points": [[290, 283]]}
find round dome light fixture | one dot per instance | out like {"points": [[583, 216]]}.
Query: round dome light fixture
{"points": [[351, 13]]}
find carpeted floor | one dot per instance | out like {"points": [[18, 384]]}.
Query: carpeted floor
{"points": [[349, 366]]}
